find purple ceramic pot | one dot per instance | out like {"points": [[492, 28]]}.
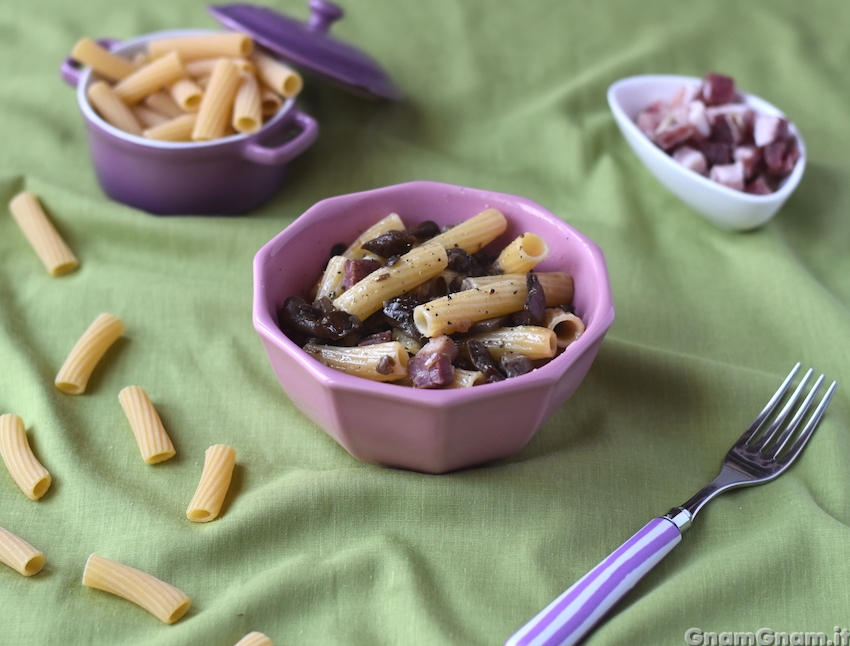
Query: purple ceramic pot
{"points": [[226, 176]]}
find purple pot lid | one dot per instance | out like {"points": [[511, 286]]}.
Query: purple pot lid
{"points": [[310, 47]]}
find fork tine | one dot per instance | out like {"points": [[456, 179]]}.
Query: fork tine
{"points": [[780, 417], [768, 409], [795, 421], [810, 426]]}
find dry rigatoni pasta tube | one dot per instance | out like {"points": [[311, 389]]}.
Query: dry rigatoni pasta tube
{"points": [[413, 268], [378, 362], [101, 60], [392, 222], [557, 285], [161, 599], [39, 231], [177, 129], [217, 104], [24, 467], [279, 77], [88, 351], [205, 505], [474, 233], [151, 436], [567, 326], [523, 254], [232, 44], [112, 109], [204, 66], [162, 102], [457, 312], [247, 106], [534, 341], [271, 102], [255, 638], [149, 118], [19, 555], [150, 78], [187, 94]]}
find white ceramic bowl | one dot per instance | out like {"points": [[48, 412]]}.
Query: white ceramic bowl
{"points": [[727, 208]]}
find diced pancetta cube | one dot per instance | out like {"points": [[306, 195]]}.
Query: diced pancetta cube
{"points": [[356, 269], [691, 158], [432, 366], [767, 129], [716, 152], [731, 175], [698, 118], [674, 130], [750, 157], [781, 156], [759, 186], [648, 120], [686, 94], [717, 89]]}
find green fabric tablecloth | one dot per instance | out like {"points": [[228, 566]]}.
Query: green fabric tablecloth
{"points": [[315, 547]]}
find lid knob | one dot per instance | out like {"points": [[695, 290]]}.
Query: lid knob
{"points": [[322, 14]]}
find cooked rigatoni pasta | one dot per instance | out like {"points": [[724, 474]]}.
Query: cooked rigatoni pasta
{"points": [[330, 285], [377, 362], [413, 268], [39, 231], [101, 60], [89, 350], [153, 440], [410, 344], [557, 285], [24, 467], [161, 599], [111, 108], [457, 312], [475, 233], [19, 555], [392, 222], [187, 94], [247, 106], [482, 325], [279, 77], [255, 638], [217, 104], [232, 44], [148, 79], [177, 129], [567, 326], [523, 254], [466, 378], [534, 341], [219, 461]]}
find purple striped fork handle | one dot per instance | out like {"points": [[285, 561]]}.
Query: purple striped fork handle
{"points": [[569, 617]]}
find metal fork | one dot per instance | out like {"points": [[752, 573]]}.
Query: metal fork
{"points": [[755, 458]]}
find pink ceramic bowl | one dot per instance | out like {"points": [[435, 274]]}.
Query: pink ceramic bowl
{"points": [[434, 431]]}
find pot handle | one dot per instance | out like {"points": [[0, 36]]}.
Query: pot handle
{"points": [[273, 156], [72, 70]]}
